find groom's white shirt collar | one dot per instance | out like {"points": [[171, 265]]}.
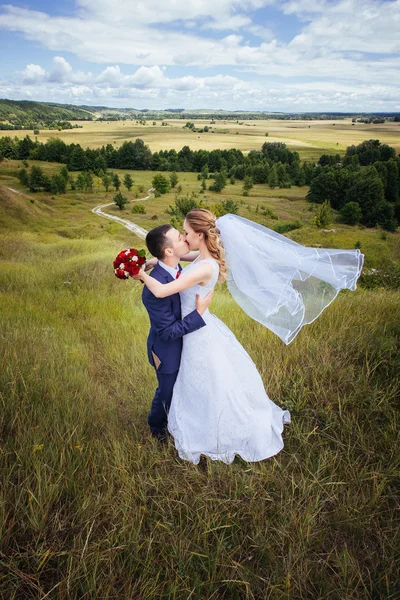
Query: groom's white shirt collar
{"points": [[171, 270]]}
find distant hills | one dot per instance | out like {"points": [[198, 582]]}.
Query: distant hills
{"points": [[42, 111], [26, 112]]}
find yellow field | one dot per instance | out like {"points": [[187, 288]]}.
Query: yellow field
{"points": [[309, 138]]}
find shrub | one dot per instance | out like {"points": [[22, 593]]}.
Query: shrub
{"points": [[182, 206], [267, 212], [285, 227], [139, 209], [388, 277], [324, 215], [225, 207]]}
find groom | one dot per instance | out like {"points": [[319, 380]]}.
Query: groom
{"points": [[164, 344]]}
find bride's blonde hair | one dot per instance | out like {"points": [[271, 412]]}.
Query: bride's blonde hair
{"points": [[203, 221]]}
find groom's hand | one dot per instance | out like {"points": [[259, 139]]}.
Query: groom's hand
{"points": [[203, 303]]}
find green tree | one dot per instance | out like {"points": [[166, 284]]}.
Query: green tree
{"points": [[64, 173], [120, 200], [247, 183], [133, 155], [58, 184], [46, 183], [100, 165], [36, 179], [160, 184], [273, 180], [23, 177], [323, 187], [84, 182], [88, 182], [106, 181], [368, 190], [24, 147], [77, 160], [128, 181], [392, 190], [351, 213], [300, 178], [219, 182], [173, 179], [204, 172], [116, 181], [282, 175]]}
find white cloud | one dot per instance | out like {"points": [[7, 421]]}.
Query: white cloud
{"points": [[147, 77], [150, 87], [110, 75], [351, 44], [61, 69], [33, 74]]}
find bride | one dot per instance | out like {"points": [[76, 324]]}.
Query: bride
{"points": [[219, 406]]}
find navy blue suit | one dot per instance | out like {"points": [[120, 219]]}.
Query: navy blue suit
{"points": [[165, 339]]}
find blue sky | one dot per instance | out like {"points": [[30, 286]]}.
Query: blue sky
{"points": [[295, 55]]}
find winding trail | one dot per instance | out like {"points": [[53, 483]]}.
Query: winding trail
{"points": [[140, 232]]}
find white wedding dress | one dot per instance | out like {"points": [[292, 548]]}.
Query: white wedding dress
{"points": [[219, 406]]}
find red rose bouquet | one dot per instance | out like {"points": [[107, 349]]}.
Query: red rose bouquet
{"points": [[129, 262]]}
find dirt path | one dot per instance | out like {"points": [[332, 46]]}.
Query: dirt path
{"points": [[140, 232]]}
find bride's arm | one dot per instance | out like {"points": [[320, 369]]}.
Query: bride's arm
{"points": [[201, 274], [190, 256]]}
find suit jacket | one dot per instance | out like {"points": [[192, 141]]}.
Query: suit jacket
{"points": [[166, 324]]}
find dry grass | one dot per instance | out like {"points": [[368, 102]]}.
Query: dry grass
{"points": [[309, 138]]}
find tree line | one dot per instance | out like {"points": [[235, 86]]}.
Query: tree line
{"points": [[137, 156], [364, 185]]}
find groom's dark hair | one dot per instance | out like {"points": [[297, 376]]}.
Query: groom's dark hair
{"points": [[157, 242]]}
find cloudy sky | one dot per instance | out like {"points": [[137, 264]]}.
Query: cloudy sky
{"points": [[294, 55]]}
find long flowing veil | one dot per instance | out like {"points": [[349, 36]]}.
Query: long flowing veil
{"points": [[279, 282]]}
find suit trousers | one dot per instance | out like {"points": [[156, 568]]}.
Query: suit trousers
{"points": [[158, 416]]}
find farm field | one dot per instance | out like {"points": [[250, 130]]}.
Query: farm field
{"points": [[309, 138]]}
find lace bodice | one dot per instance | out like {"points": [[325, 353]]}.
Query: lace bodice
{"points": [[188, 297]]}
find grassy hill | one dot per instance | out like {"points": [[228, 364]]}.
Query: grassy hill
{"points": [[91, 506], [25, 110]]}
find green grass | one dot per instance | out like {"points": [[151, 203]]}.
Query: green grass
{"points": [[92, 507]]}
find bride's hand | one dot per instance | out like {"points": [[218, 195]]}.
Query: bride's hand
{"points": [[140, 276]]}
